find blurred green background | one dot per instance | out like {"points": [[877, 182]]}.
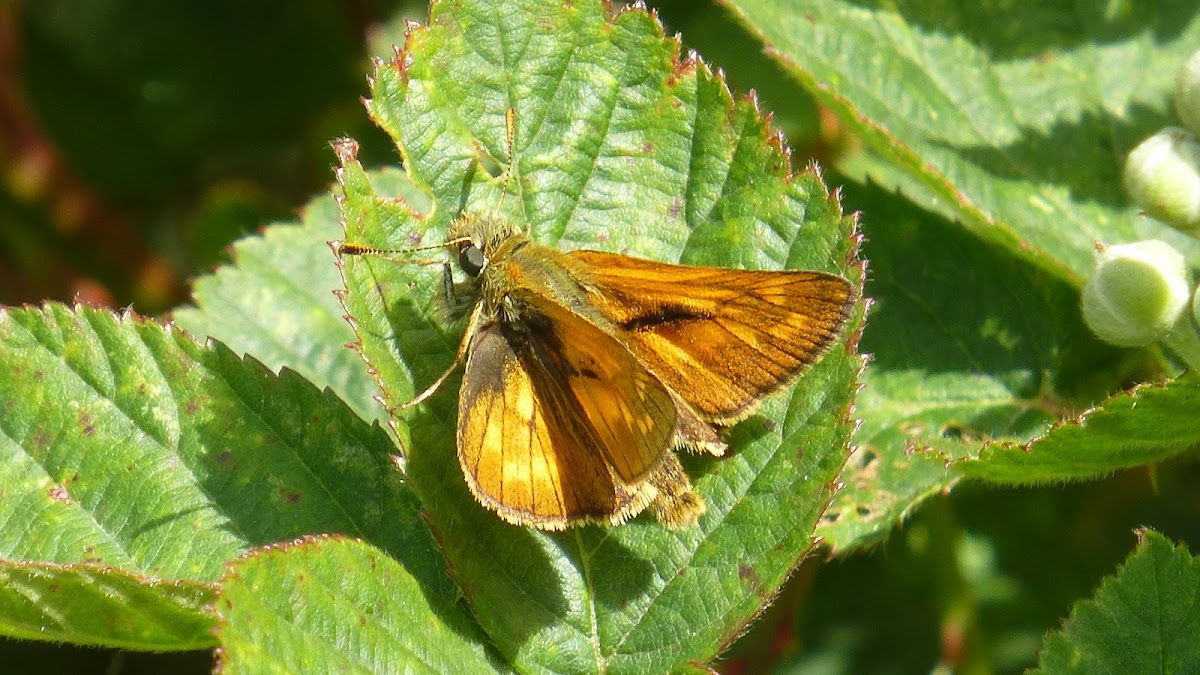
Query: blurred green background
{"points": [[138, 139]]}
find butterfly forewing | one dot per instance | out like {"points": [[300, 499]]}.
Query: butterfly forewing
{"points": [[627, 409], [720, 338]]}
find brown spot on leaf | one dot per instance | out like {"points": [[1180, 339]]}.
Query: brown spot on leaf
{"points": [[750, 577], [59, 494], [89, 427], [41, 440]]}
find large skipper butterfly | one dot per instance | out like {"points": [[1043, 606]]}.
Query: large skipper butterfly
{"points": [[587, 371]]}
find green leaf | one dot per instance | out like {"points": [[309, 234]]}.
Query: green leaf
{"points": [[95, 605], [990, 113], [333, 605], [969, 345], [127, 445], [619, 147], [1146, 425], [1013, 143], [277, 302], [1145, 619]]}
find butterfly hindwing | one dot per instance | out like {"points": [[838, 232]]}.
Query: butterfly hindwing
{"points": [[550, 435]]}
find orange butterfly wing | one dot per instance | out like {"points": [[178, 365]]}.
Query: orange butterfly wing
{"points": [[721, 338], [559, 423]]}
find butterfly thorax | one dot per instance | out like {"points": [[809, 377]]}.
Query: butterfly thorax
{"points": [[525, 275], [515, 275]]}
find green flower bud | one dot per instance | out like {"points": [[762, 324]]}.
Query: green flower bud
{"points": [[1137, 293], [1187, 93], [1162, 176]]}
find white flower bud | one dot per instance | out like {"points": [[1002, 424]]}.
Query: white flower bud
{"points": [[1187, 93], [1137, 293], [1162, 176]]}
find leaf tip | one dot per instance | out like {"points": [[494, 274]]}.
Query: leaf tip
{"points": [[346, 150]]}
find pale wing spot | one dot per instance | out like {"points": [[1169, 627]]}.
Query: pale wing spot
{"points": [[525, 403], [493, 436], [661, 345], [517, 488], [673, 354]]}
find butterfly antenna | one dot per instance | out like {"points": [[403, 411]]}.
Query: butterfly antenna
{"points": [[393, 254], [510, 134], [361, 249]]}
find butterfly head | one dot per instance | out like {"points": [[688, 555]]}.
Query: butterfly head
{"points": [[477, 239]]}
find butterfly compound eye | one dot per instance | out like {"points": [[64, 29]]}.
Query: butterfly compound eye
{"points": [[472, 260]]}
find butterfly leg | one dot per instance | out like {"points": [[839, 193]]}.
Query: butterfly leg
{"points": [[448, 284], [472, 326], [454, 299]]}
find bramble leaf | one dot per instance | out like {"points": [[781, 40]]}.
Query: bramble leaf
{"points": [[1144, 619], [619, 146]]}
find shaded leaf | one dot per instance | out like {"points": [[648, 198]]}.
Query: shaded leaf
{"points": [[1017, 128], [969, 345], [1146, 425], [334, 605], [127, 445], [1144, 619], [88, 604], [276, 302]]}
